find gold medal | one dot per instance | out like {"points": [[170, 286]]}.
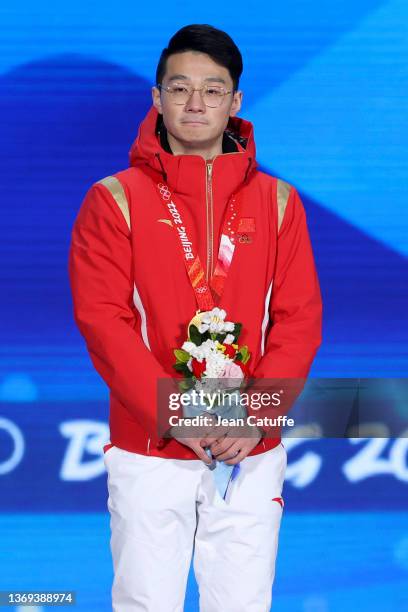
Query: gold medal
{"points": [[198, 317], [196, 320]]}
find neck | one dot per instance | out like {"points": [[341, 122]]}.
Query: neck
{"points": [[183, 148]]}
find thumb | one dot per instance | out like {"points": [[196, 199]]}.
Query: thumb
{"points": [[200, 452]]}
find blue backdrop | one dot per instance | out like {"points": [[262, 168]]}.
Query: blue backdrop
{"points": [[325, 85]]}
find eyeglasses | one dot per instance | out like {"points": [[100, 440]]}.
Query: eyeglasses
{"points": [[212, 95]]}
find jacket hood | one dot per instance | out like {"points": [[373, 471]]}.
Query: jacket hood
{"points": [[147, 153]]}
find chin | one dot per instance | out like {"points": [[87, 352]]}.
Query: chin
{"points": [[193, 129], [193, 135]]}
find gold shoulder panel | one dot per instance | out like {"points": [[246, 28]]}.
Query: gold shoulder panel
{"points": [[114, 186], [283, 196]]}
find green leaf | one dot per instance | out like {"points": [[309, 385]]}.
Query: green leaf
{"points": [[182, 367], [244, 353], [236, 332], [194, 335], [181, 355], [186, 385]]}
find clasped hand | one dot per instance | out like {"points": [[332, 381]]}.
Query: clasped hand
{"points": [[227, 443]]}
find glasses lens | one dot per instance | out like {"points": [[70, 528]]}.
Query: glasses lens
{"points": [[179, 93], [213, 95]]}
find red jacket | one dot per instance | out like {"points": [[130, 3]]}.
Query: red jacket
{"points": [[131, 293]]}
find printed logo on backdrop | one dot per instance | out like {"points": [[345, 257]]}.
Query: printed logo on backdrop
{"points": [[52, 462], [14, 455], [85, 438]]}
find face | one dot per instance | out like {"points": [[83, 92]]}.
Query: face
{"points": [[194, 124]]}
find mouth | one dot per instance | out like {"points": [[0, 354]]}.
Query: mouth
{"points": [[193, 123]]}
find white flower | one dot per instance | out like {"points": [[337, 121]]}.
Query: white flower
{"points": [[188, 346], [215, 364], [208, 347], [229, 326], [216, 327], [229, 339], [214, 313], [213, 321], [199, 352]]}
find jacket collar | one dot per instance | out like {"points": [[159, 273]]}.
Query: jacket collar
{"points": [[184, 173]]}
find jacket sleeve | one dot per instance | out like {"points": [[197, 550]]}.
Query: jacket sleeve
{"points": [[296, 307], [101, 279], [295, 310]]}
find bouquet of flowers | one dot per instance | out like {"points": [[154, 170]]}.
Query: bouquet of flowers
{"points": [[211, 358], [212, 351]]}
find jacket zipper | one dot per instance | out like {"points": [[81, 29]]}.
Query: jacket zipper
{"points": [[210, 219]]}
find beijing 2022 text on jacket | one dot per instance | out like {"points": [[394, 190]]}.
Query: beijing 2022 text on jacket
{"points": [[133, 299]]}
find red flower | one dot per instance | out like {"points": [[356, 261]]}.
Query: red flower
{"points": [[229, 351], [198, 367]]}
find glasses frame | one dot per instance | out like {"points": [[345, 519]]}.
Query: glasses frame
{"points": [[167, 89]]}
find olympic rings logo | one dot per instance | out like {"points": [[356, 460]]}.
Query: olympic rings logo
{"points": [[164, 191]]}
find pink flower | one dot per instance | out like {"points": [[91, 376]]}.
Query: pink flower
{"points": [[232, 371], [244, 368]]}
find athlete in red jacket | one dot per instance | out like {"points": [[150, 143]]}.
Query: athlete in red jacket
{"points": [[133, 301]]}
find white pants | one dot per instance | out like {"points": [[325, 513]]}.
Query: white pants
{"points": [[163, 510]]}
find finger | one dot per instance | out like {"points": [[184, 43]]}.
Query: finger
{"points": [[221, 447], [238, 458], [229, 454], [245, 447], [211, 440], [217, 431], [207, 442], [226, 442], [201, 454]]}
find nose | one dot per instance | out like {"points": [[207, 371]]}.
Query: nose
{"points": [[195, 102]]}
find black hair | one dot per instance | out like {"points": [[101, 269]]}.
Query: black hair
{"points": [[204, 39]]}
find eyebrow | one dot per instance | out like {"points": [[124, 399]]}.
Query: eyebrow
{"points": [[178, 77]]}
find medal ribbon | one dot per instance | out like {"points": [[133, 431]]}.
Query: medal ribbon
{"points": [[204, 293]]}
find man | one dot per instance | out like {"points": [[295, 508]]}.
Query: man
{"points": [[133, 300]]}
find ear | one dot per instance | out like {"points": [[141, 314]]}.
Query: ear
{"points": [[236, 103], [156, 99]]}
